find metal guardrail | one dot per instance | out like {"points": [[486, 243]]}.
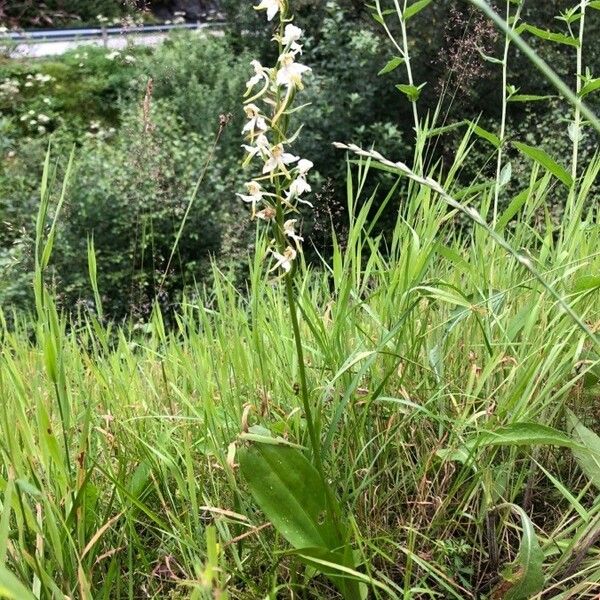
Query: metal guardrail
{"points": [[40, 35]]}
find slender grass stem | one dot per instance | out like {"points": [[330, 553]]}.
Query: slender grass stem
{"points": [[576, 133]]}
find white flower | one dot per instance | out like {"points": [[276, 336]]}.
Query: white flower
{"points": [[304, 166], [290, 73], [291, 36], [42, 118], [299, 186], [261, 146], [284, 260], [260, 73], [256, 120], [271, 6], [290, 232], [129, 59], [254, 196], [278, 159], [112, 55]]}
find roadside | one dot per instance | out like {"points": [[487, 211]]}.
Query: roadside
{"points": [[57, 42]]}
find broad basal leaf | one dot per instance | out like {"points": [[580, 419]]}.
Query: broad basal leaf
{"points": [[524, 577], [293, 496]]}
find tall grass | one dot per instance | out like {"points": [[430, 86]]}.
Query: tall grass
{"points": [[452, 369]]}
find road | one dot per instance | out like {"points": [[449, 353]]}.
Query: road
{"points": [[40, 43]]}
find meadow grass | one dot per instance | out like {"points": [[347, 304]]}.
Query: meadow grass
{"points": [[452, 374], [115, 442]]}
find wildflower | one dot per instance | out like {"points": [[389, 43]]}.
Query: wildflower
{"points": [[260, 74], [271, 6], [256, 120], [284, 260], [254, 196], [304, 166], [42, 118], [298, 187], [278, 159], [261, 146], [112, 55], [291, 36], [129, 59], [266, 214], [290, 232], [290, 73]]}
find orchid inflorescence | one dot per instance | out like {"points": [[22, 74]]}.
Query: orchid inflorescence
{"points": [[275, 193]]}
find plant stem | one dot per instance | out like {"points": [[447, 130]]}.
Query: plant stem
{"points": [[577, 121], [502, 120], [409, 73], [539, 64]]}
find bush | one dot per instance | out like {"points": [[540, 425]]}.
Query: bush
{"points": [[131, 183]]}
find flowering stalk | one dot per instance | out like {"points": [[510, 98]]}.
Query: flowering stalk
{"points": [[277, 191]]}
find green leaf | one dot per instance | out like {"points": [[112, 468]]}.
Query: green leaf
{"points": [[291, 493], [588, 458], [523, 434], [516, 434], [589, 87], [528, 98], [595, 4], [391, 65], [585, 283], [550, 36], [412, 92], [384, 13], [486, 135], [524, 577], [516, 204], [11, 588], [505, 175], [293, 496], [546, 161], [415, 8]]}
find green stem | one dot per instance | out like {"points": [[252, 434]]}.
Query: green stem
{"points": [[539, 63], [577, 119], [304, 393], [503, 118]]}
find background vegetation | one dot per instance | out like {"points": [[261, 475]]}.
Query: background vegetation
{"points": [[451, 354]]}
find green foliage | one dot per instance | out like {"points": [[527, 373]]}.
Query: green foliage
{"points": [[134, 172]]}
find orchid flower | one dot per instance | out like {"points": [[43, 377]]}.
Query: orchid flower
{"points": [[284, 260], [278, 160], [261, 147], [260, 74], [290, 232], [291, 36], [256, 120], [271, 6], [266, 214], [290, 73], [254, 196]]}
